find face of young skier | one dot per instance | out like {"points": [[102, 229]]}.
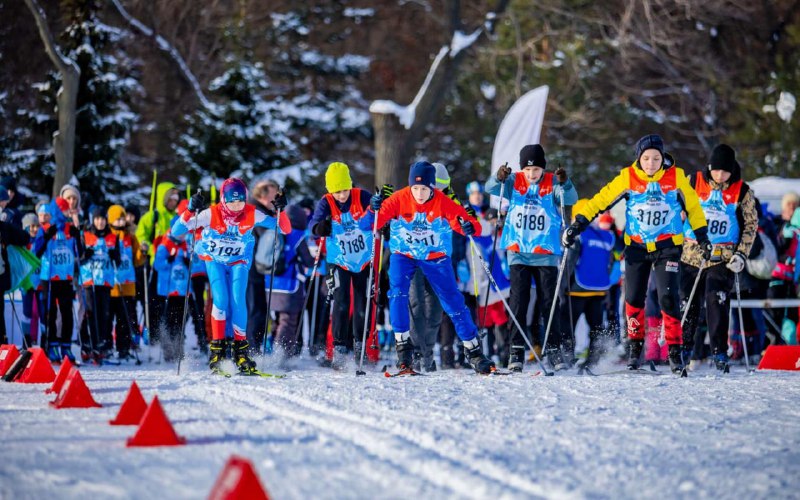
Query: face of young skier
{"points": [[720, 176], [235, 206], [421, 193], [341, 196], [99, 223], [532, 174], [651, 161]]}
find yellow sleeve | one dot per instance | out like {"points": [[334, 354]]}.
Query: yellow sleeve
{"points": [[694, 211], [607, 196]]}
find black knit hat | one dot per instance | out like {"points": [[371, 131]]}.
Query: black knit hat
{"points": [[532, 155], [652, 141], [723, 157]]}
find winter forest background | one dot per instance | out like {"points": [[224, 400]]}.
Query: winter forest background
{"points": [[202, 88]]}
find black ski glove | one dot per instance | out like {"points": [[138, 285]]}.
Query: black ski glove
{"points": [[471, 211], [706, 247], [280, 201], [51, 232], [88, 253], [197, 203], [380, 195], [324, 227], [466, 227]]}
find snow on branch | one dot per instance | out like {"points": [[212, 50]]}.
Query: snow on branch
{"points": [[167, 47], [406, 114]]}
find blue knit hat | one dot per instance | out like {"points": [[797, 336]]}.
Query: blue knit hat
{"points": [[423, 173]]}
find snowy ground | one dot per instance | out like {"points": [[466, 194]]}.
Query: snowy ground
{"points": [[453, 434]]}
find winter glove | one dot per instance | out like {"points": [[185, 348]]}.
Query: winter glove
{"points": [[114, 254], [571, 234], [88, 253], [471, 211], [503, 173], [51, 232], [380, 195], [450, 193], [280, 201], [197, 203], [561, 175], [171, 258], [736, 264], [332, 281], [706, 247], [324, 227], [187, 261], [466, 227]]}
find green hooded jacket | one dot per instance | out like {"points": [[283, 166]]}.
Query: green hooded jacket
{"points": [[146, 232]]}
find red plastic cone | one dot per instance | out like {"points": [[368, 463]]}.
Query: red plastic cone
{"points": [[238, 480], [74, 393], [132, 409], [39, 370], [155, 429], [63, 373], [8, 354], [781, 357]]}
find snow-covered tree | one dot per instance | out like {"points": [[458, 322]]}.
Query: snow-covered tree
{"points": [[104, 117], [240, 134]]}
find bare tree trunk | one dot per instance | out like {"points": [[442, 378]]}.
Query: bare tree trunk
{"points": [[395, 137], [64, 139]]}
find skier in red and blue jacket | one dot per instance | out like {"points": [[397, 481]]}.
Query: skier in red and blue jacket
{"points": [[422, 220], [226, 245]]}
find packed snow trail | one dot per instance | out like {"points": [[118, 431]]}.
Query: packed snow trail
{"points": [[452, 434]]}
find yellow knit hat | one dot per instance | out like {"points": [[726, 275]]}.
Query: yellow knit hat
{"points": [[337, 177], [115, 212]]}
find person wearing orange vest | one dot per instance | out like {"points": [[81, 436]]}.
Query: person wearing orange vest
{"points": [[656, 192], [99, 258], [348, 248], [730, 209], [123, 294], [226, 245]]}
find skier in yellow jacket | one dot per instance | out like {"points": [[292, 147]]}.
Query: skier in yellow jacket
{"points": [[656, 192]]}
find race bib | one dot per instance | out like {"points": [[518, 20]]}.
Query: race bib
{"points": [[653, 216], [225, 248], [351, 243], [530, 220]]}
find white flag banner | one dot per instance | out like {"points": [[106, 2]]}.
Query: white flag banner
{"points": [[522, 125]]}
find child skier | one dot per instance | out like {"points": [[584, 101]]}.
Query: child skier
{"points": [[123, 294], [729, 207], [58, 244], [100, 256], [172, 265], [336, 217], [226, 245], [531, 237], [422, 220], [656, 192]]}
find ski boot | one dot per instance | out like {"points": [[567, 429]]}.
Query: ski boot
{"points": [[216, 354], [477, 360], [339, 358], [516, 359], [556, 359], [635, 353], [66, 350], [675, 357], [241, 357], [722, 363], [54, 353], [405, 352], [448, 357], [416, 364]]}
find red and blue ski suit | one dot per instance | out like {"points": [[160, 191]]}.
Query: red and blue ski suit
{"points": [[227, 250], [422, 238]]}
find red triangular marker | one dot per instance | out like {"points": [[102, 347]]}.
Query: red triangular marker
{"points": [[8, 354], [132, 409], [781, 357], [155, 429], [39, 370], [74, 393], [238, 480], [63, 373]]}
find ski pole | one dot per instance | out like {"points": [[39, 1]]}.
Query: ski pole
{"points": [[376, 240], [510, 312], [561, 268], [94, 305], [188, 288], [19, 323], [127, 316], [691, 294], [494, 252], [567, 297], [271, 281], [310, 287], [741, 322]]}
